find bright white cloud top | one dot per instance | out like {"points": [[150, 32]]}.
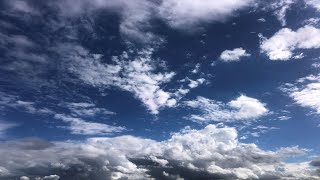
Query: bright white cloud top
{"points": [[242, 108], [305, 92], [233, 55], [182, 14], [281, 45], [211, 149]]}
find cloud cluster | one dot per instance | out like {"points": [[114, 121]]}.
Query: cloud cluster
{"points": [[182, 14], [242, 108], [137, 75], [136, 17], [135, 72], [233, 55], [304, 91], [282, 44], [211, 152]]}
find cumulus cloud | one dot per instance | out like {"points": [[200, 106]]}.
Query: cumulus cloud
{"points": [[182, 14], [282, 44], [242, 108], [233, 55], [211, 152], [304, 91]]}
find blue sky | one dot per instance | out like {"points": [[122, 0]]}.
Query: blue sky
{"points": [[164, 89]]}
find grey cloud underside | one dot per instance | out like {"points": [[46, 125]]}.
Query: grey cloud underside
{"points": [[211, 152]]}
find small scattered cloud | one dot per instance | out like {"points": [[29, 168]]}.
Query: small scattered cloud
{"points": [[280, 9], [262, 20], [283, 43], [233, 55]]}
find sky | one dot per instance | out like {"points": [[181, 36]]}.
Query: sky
{"points": [[159, 89]]}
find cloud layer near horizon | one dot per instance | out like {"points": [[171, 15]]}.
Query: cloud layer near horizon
{"points": [[215, 152]]}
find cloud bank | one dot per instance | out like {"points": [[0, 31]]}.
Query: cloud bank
{"points": [[211, 152]]}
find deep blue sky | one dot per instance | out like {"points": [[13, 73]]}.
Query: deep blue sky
{"points": [[58, 61]]}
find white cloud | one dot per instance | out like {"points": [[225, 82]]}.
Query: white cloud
{"points": [[212, 150], [313, 3], [80, 126], [281, 7], [183, 14], [137, 73], [242, 108], [305, 91], [262, 20], [133, 74], [87, 109], [282, 44], [233, 55]]}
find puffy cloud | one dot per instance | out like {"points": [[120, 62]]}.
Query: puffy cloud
{"points": [[211, 152], [233, 55], [183, 14], [304, 91], [282, 44], [242, 108], [80, 126]]}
